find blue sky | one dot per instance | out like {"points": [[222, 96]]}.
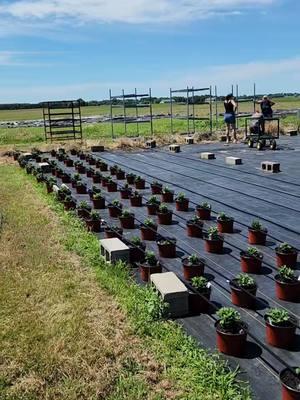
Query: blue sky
{"points": [[63, 49]]}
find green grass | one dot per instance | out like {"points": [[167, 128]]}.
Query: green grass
{"points": [[184, 370]]}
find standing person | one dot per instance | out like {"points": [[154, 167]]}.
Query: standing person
{"points": [[266, 107], [229, 117]]}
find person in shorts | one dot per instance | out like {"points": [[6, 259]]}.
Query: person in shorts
{"points": [[229, 117]]}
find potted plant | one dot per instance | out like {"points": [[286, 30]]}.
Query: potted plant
{"points": [[231, 332], [115, 209], [112, 232], [287, 285], [257, 234], [90, 172], [243, 291], [167, 247], [104, 180], [83, 209], [69, 162], [62, 193], [148, 230], [156, 187], [199, 301], [111, 186], [59, 172], [91, 160], [150, 266], [73, 152], [94, 221], [98, 201], [152, 205], [103, 166], [53, 153], [164, 215], [290, 383], [194, 227], [192, 266], [204, 211], [80, 167], [130, 178], [182, 203], [167, 195], [93, 191], [280, 328], [137, 250], [127, 220], [50, 182], [96, 177], [136, 199], [82, 156], [251, 260], [120, 174], [69, 203], [286, 255], [139, 183], [65, 177], [125, 191], [113, 169], [75, 179], [81, 187], [213, 240], [40, 177], [225, 223]]}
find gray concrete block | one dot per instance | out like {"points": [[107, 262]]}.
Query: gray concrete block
{"points": [[292, 132], [55, 189], [114, 250], [173, 292], [175, 148], [207, 156], [97, 149], [151, 144], [270, 166], [44, 167], [233, 161], [189, 140]]}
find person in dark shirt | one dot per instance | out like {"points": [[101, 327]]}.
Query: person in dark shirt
{"points": [[229, 117], [266, 107]]}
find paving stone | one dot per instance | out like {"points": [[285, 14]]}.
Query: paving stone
{"points": [[55, 189], [114, 250], [189, 140], [270, 166], [173, 291], [233, 161], [44, 167], [151, 144], [97, 149], [207, 156]]}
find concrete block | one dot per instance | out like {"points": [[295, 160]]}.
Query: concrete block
{"points": [[64, 186], [189, 140], [292, 132], [26, 156], [114, 250], [151, 144], [175, 148], [233, 161], [173, 292], [55, 189], [97, 149], [207, 156], [44, 167], [270, 166]]}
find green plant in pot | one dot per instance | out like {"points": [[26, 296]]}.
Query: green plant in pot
{"points": [[182, 202], [137, 250], [148, 230], [150, 266], [156, 187], [257, 233], [50, 182], [243, 291], [194, 227], [167, 195], [193, 266], [164, 215], [139, 182], [251, 260], [286, 255], [213, 240], [167, 247], [204, 210], [127, 219], [280, 328], [113, 231], [231, 332], [225, 223]]}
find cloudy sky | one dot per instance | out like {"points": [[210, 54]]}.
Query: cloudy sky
{"points": [[63, 49]]}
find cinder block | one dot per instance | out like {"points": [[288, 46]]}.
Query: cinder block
{"points": [[64, 186], [114, 250], [97, 149], [26, 156], [189, 140], [175, 148], [270, 166], [292, 132], [151, 144], [55, 189], [233, 161], [44, 167], [173, 292], [207, 156]]}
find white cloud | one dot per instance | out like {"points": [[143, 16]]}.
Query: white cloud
{"points": [[126, 11]]}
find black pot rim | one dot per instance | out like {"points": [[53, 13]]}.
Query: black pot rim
{"points": [[293, 323], [220, 239], [230, 219], [233, 285], [186, 263], [284, 384], [192, 223], [244, 254], [286, 254], [264, 231], [166, 213], [146, 265], [293, 283], [143, 226]]}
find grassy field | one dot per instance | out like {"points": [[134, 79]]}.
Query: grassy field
{"points": [[73, 327], [200, 110]]}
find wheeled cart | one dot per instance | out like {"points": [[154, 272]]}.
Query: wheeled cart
{"points": [[261, 138]]}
